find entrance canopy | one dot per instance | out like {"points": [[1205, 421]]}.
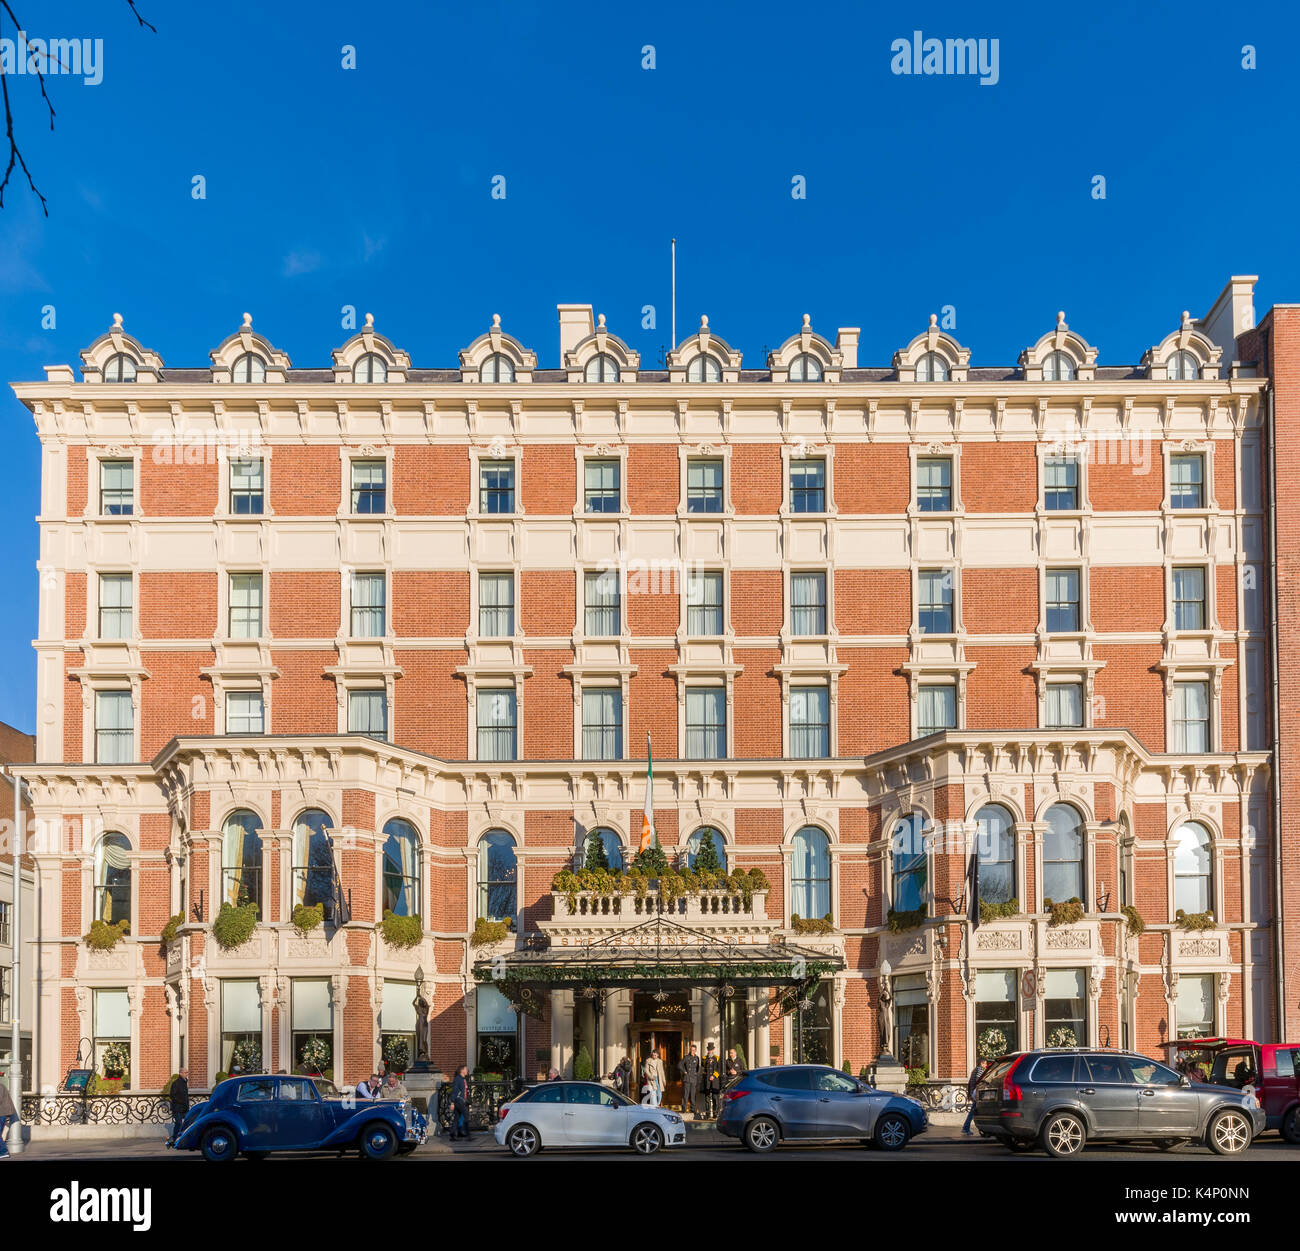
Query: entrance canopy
{"points": [[657, 953]]}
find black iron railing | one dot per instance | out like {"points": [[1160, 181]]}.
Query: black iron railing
{"points": [[74, 1109]]}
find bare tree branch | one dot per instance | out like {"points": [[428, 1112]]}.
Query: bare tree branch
{"points": [[16, 158]]}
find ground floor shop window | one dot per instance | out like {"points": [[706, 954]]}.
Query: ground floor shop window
{"points": [[1065, 1020], [497, 1053], [241, 1026], [111, 1027], [313, 1026], [996, 1029], [397, 1026], [912, 1021], [1195, 1005], [812, 1027]]}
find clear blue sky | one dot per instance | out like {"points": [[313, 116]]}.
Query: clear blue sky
{"points": [[371, 186]]}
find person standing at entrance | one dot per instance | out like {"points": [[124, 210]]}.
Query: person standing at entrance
{"points": [[690, 1071], [180, 1100], [711, 1079], [734, 1067], [655, 1080]]}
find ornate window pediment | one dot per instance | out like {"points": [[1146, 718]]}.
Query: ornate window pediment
{"points": [[369, 357], [247, 356], [497, 357], [1059, 356], [601, 357], [117, 357], [703, 357], [1184, 356], [933, 356], [805, 357]]}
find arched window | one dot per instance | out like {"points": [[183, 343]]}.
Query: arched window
{"points": [[401, 868], [610, 849], [932, 368], [313, 859], [695, 844], [805, 368], [497, 368], [241, 860], [810, 874], [249, 368], [370, 368], [704, 368], [908, 860], [119, 368], [497, 876], [1063, 854], [113, 879], [995, 844], [1183, 366], [602, 368], [1192, 880], [1058, 367]]}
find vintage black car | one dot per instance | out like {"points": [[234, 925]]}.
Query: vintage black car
{"points": [[255, 1115]]}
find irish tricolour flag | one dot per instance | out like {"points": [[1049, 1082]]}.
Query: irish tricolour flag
{"points": [[648, 835]]}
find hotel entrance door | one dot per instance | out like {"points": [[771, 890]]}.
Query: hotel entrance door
{"points": [[669, 1042]]}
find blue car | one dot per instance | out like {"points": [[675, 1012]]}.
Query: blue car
{"points": [[808, 1102], [255, 1115]]}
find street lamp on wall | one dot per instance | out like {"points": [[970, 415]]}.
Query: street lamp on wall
{"points": [[1103, 898]]}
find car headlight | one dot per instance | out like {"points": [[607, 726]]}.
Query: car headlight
{"points": [[673, 1119], [918, 1103]]}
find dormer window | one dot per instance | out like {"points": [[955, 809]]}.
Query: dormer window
{"points": [[601, 368], [248, 368], [932, 368], [1182, 366], [497, 368], [370, 368], [1058, 367], [119, 368], [805, 368], [704, 368]]}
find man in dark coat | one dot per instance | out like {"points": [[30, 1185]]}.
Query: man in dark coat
{"points": [[460, 1103], [711, 1081], [689, 1067], [180, 1097], [971, 1083], [734, 1067]]}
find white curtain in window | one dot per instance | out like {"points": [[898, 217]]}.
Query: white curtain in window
{"points": [[1195, 1002], [112, 1014], [1192, 714], [937, 708], [241, 1007], [232, 859], [995, 986], [1064, 984], [367, 713], [1065, 704], [114, 852], [397, 1015], [311, 1004]]}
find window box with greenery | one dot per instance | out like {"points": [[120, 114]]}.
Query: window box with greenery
{"points": [[402, 933], [670, 883], [104, 937], [812, 925], [999, 911], [233, 926], [1194, 920], [486, 932], [1136, 922], [171, 931], [900, 922], [1065, 912], [308, 917]]}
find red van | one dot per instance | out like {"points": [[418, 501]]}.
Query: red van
{"points": [[1273, 1067]]}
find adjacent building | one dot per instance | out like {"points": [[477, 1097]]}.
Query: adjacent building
{"points": [[967, 673], [16, 748]]}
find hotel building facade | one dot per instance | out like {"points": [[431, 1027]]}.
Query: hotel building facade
{"points": [[978, 666]]}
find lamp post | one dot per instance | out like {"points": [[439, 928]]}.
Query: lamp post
{"points": [[16, 996]]}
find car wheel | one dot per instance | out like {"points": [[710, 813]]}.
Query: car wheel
{"points": [[523, 1141], [1291, 1126], [378, 1141], [1064, 1135], [219, 1144], [1021, 1146], [892, 1132], [647, 1139], [762, 1135], [1229, 1133]]}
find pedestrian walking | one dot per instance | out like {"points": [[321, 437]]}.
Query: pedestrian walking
{"points": [[180, 1100], [690, 1071], [460, 1103], [8, 1113], [981, 1066], [711, 1081]]}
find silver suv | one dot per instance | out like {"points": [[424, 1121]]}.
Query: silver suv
{"points": [[1060, 1099]]}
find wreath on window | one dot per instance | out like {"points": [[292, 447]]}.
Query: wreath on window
{"points": [[1062, 1036], [247, 1055], [314, 1055], [397, 1053], [117, 1059], [992, 1043]]}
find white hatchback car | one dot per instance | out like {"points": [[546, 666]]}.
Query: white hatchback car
{"points": [[585, 1114]]}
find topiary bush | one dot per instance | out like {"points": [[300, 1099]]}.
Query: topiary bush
{"points": [[1136, 922], [652, 861], [583, 1070], [307, 917], [401, 932], [233, 926], [104, 937], [596, 861]]}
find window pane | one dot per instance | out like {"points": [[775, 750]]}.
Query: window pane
{"points": [[810, 722], [246, 487], [368, 486], [706, 723], [810, 874], [1186, 481], [245, 605], [496, 724], [114, 727], [1191, 716], [244, 712], [601, 486], [995, 847], [1063, 854], [934, 614], [496, 605], [704, 603], [368, 596], [115, 609], [1189, 599], [116, 487], [602, 723], [602, 617], [1061, 484], [934, 484], [496, 486], [368, 713], [704, 486], [808, 486], [1064, 704], [808, 603], [1063, 599], [497, 871], [936, 708]]}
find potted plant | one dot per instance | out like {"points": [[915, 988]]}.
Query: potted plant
{"points": [[104, 937]]}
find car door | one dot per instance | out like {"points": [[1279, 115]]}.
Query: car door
{"points": [[1278, 1084], [841, 1110], [1110, 1094], [794, 1102], [1165, 1106], [299, 1115], [256, 1104], [591, 1117], [544, 1111]]}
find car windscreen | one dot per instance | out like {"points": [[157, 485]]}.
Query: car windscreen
{"points": [[998, 1071], [326, 1088]]}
